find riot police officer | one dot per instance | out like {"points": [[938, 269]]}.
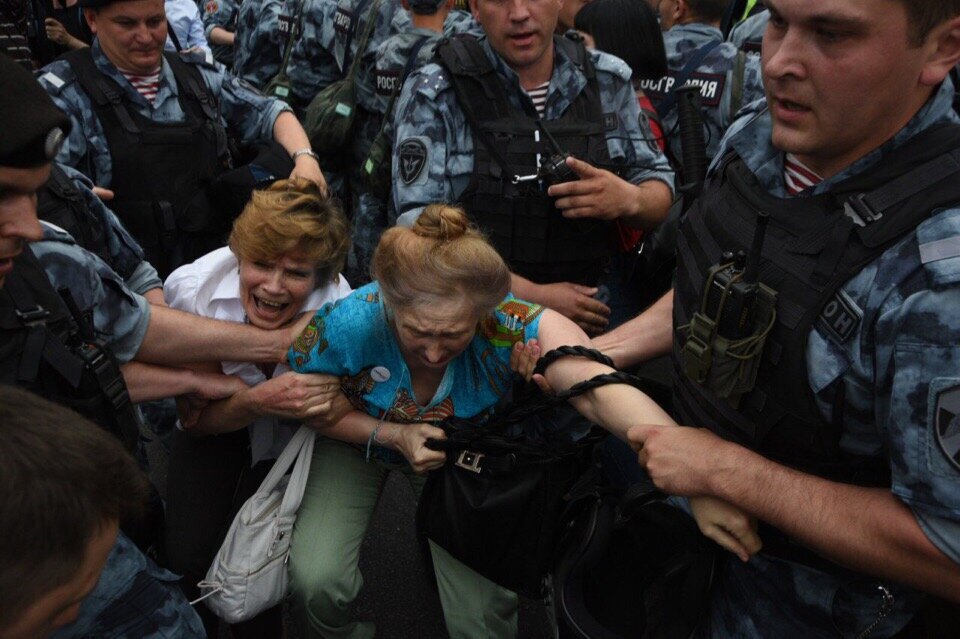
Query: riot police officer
{"points": [[155, 132], [831, 413], [697, 55]]}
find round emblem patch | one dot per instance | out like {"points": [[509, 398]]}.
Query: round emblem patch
{"points": [[413, 157], [211, 7], [948, 424]]}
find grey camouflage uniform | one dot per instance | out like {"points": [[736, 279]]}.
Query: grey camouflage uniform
{"points": [[258, 44], [748, 34], [125, 254], [428, 111], [366, 211], [369, 212], [898, 367], [393, 53], [134, 598], [312, 66], [715, 76], [223, 14], [248, 114]]}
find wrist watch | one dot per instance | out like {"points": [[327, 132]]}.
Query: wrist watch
{"points": [[309, 152]]}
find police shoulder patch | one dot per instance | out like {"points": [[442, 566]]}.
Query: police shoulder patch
{"points": [[840, 317], [412, 157], [947, 424], [211, 7]]}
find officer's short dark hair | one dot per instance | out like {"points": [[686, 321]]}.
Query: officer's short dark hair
{"points": [[62, 478], [924, 15], [629, 30], [708, 11]]}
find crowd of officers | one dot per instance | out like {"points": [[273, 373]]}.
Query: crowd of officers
{"points": [[831, 133]]}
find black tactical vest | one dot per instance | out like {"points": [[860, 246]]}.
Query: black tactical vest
{"points": [[520, 219], [161, 171], [813, 245], [47, 349], [60, 202]]}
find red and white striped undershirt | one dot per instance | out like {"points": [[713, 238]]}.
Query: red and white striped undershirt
{"points": [[797, 176], [539, 97], [146, 85]]}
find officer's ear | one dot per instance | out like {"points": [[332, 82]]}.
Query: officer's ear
{"points": [[90, 15], [943, 44]]}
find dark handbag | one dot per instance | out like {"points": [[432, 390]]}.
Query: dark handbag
{"points": [[496, 504]]}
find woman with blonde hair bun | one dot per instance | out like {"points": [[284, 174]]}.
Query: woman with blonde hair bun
{"points": [[284, 256], [430, 337]]}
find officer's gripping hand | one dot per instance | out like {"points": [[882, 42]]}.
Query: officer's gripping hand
{"points": [[207, 387], [337, 410], [679, 460], [598, 194], [575, 302], [307, 168], [295, 395]]}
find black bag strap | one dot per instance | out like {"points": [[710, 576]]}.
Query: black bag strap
{"points": [[669, 100], [173, 37], [364, 39], [101, 89], [291, 39]]}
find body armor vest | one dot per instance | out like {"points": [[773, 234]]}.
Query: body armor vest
{"points": [[161, 171], [520, 219], [60, 202], [812, 247], [49, 349]]}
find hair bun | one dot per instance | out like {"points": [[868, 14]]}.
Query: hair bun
{"points": [[442, 223]]}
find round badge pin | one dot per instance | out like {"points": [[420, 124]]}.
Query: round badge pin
{"points": [[379, 374]]}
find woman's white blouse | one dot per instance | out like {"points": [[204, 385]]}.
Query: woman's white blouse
{"points": [[210, 287]]}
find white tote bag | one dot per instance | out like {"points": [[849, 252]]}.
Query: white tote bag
{"points": [[249, 573]]}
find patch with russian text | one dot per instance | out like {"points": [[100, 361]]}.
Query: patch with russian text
{"points": [[840, 317]]}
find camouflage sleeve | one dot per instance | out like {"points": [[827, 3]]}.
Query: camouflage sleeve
{"points": [[120, 316], [58, 81], [249, 113], [312, 67], [219, 13], [918, 376], [432, 148], [126, 255], [631, 144], [134, 598]]}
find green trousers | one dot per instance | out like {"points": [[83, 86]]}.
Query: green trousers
{"points": [[340, 498]]}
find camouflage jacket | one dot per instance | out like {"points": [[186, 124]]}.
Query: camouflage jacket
{"points": [[899, 375], [715, 76], [428, 113], [248, 114]]}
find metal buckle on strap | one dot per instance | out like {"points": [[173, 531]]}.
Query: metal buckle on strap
{"points": [[469, 461], [33, 316], [859, 211]]}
